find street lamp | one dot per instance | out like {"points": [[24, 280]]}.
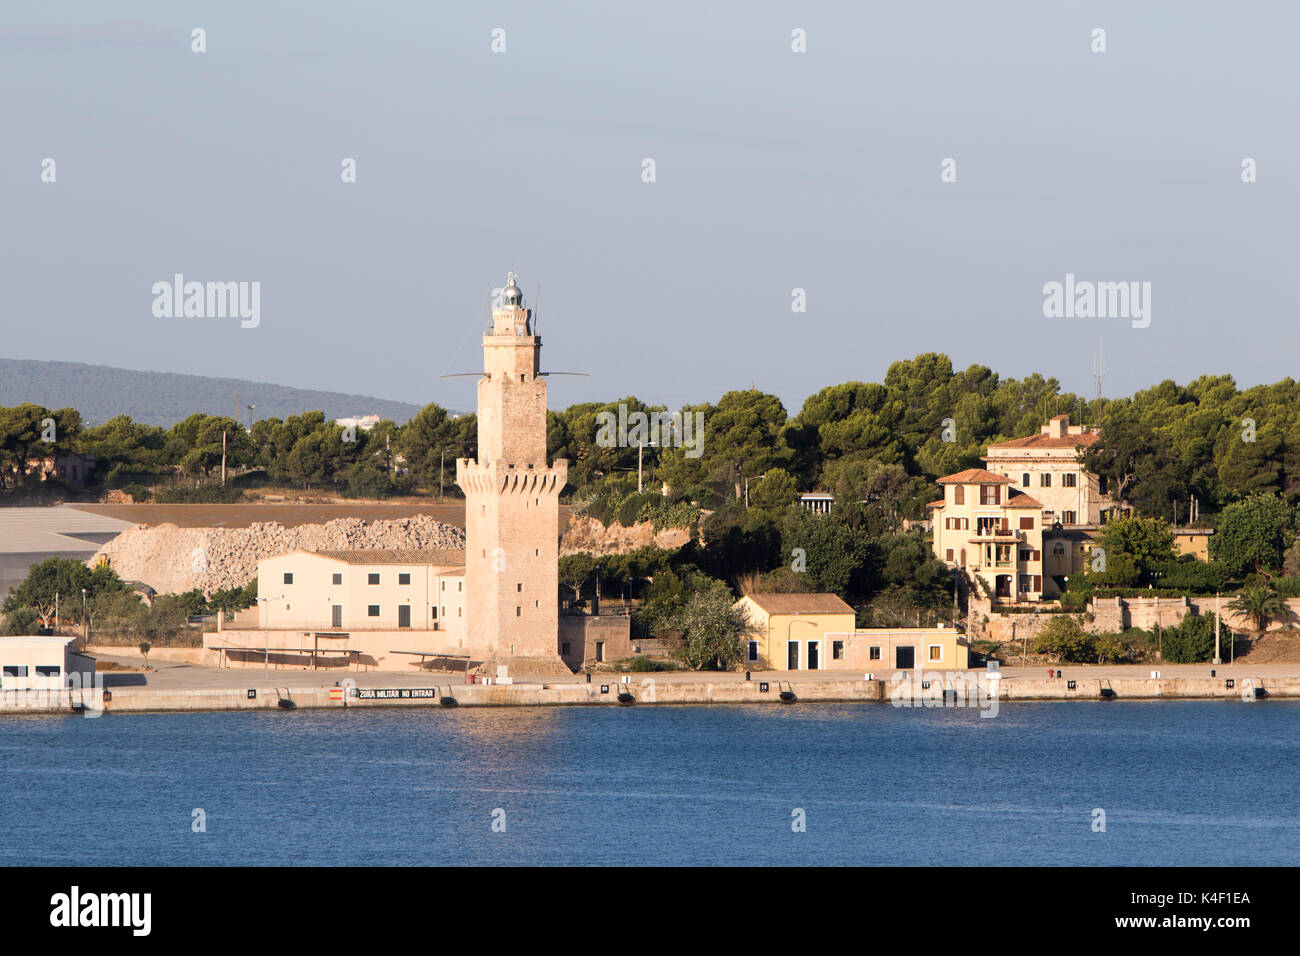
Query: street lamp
{"points": [[250, 418], [266, 633], [85, 622], [788, 628]]}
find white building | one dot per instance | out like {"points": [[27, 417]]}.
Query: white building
{"points": [[1049, 466], [363, 422], [41, 663]]}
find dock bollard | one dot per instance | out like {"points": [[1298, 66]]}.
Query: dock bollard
{"points": [[746, 675]]}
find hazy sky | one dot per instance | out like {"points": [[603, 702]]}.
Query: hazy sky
{"points": [[774, 171]]}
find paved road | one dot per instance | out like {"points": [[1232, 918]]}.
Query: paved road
{"points": [[289, 515]]}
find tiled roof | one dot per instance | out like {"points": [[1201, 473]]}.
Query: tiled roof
{"points": [[1024, 501], [1047, 441], [800, 603], [383, 556], [935, 504], [975, 476]]}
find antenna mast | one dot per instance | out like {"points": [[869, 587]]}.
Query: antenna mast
{"points": [[1098, 368]]}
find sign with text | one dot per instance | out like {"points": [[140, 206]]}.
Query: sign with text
{"points": [[395, 693]]}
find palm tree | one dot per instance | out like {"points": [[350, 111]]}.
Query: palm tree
{"points": [[1261, 604]]}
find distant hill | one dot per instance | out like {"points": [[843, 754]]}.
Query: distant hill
{"points": [[163, 398]]}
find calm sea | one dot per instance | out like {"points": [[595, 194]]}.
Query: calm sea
{"points": [[1180, 783]]}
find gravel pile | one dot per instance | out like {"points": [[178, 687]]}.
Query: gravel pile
{"points": [[171, 559]]}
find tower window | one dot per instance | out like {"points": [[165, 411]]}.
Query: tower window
{"points": [[519, 586], [519, 611]]}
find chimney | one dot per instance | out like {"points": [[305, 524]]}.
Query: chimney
{"points": [[1058, 426]]}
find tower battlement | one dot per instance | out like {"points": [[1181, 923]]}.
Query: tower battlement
{"points": [[503, 478], [512, 498]]}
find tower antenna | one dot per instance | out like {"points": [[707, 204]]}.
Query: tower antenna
{"points": [[1098, 368], [537, 307]]}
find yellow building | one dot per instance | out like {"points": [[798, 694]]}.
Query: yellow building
{"points": [[1193, 541], [790, 630], [992, 532], [817, 632]]}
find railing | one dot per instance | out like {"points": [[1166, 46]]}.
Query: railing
{"points": [[316, 627]]}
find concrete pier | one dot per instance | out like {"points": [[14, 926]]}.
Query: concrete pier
{"points": [[378, 690]]}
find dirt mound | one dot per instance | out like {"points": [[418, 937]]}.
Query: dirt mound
{"points": [[171, 559], [1275, 647]]}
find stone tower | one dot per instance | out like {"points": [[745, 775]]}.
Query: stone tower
{"points": [[512, 507]]}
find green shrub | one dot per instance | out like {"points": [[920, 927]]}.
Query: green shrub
{"points": [[1192, 641], [138, 492], [1064, 639], [205, 494], [1287, 587], [1110, 648], [1192, 576], [1075, 600]]}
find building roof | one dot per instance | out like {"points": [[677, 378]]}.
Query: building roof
{"points": [[1023, 500], [385, 556], [975, 476], [1047, 441], [800, 603], [935, 504], [62, 529]]}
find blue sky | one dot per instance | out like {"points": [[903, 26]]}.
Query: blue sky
{"points": [[774, 171]]}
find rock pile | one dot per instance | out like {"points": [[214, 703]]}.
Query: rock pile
{"points": [[172, 560]]}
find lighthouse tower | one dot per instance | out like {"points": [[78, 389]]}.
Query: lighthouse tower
{"points": [[512, 501]]}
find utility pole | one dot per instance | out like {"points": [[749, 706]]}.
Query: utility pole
{"points": [[223, 457], [1218, 623]]}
